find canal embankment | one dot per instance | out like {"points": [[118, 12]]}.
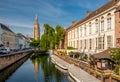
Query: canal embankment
{"points": [[75, 72], [8, 59]]}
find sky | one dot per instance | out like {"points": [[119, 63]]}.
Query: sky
{"points": [[19, 15]]}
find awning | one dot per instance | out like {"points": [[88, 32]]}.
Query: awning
{"points": [[104, 54]]}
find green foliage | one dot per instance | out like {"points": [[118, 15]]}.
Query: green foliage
{"points": [[116, 70], [59, 34], [70, 48], [62, 53], [115, 55], [35, 43], [50, 37], [47, 39]]}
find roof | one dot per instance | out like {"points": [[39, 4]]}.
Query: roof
{"points": [[96, 12], [21, 35], [118, 9], [104, 55], [4, 27]]}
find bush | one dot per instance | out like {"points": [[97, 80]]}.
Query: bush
{"points": [[63, 53], [70, 48], [116, 70]]}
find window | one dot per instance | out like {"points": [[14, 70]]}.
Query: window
{"points": [[81, 44], [85, 30], [90, 28], [96, 43], [97, 25], [90, 43], [77, 43], [109, 21], [77, 32], [109, 41], [74, 33], [102, 24], [100, 43], [85, 44], [81, 32]]}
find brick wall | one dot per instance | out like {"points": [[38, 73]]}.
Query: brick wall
{"points": [[117, 29]]}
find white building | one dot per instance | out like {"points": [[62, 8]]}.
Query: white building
{"points": [[22, 41], [7, 36], [98, 31], [1, 34]]}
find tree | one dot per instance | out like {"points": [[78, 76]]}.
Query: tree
{"points": [[59, 34], [47, 39], [35, 43], [51, 36], [115, 55]]}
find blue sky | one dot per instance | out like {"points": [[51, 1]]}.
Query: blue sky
{"points": [[20, 15]]}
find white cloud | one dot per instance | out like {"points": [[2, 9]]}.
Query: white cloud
{"points": [[16, 23]]}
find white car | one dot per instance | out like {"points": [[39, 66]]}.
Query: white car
{"points": [[4, 51]]}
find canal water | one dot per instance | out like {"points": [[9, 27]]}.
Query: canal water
{"points": [[36, 68]]}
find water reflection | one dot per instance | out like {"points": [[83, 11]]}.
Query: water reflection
{"points": [[4, 74], [42, 64], [36, 69]]}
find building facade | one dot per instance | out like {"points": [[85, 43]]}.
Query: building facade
{"points": [[8, 37], [22, 41], [1, 33], [98, 31], [36, 29]]}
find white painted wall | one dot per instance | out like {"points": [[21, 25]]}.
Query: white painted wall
{"points": [[93, 35], [1, 32]]}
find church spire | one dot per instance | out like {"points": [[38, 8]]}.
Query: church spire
{"points": [[36, 29], [36, 19]]}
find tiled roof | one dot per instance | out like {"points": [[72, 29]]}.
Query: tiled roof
{"points": [[5, 28], [96, 12]]}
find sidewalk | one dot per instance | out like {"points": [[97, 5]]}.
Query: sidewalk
{"points": [[75, 72]]}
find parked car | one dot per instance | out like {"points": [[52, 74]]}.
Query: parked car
{"points": [[5, 51]]}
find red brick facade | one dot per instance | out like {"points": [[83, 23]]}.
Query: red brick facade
{"points": [[117, 27]]}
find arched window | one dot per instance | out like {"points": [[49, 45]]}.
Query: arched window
{"points": [[102, 23], [97, 25], [109, 21], [90, 28]]}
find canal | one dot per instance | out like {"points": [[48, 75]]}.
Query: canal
{"points": [[34, 68]]}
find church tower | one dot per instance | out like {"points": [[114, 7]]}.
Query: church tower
{"points": [[36, 29]]}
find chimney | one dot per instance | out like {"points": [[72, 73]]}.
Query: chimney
{"points": [[88, 13], [114, 0]]}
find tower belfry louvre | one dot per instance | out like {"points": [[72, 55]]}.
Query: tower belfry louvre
{"points": [[36, 29]]}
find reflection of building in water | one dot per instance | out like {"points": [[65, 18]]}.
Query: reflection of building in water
{"points": [[36, 29], [36, 68], [4, 74]]}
